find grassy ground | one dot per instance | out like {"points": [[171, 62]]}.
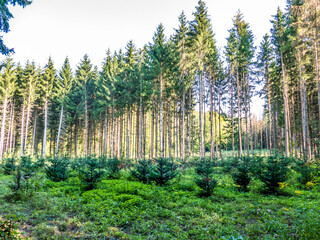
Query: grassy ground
{"points": [[123, 209]]}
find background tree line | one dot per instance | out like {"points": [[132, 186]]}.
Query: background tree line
{"points": [[177, 96]]}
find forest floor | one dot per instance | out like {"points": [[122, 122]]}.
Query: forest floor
{"points": [[125, 209]]}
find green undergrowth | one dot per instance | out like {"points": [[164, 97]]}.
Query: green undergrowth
{"points": [[123, 209]]}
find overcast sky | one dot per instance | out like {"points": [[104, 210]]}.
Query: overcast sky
{"points": [[60, 28]]}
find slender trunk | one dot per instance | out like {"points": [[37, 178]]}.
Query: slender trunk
{"points": [[239, 114], [137, 133], [232, 120], [215, 122], [269, 108], [12, 129], [140, 128], [169, 129], [285, 100], [86, 125], [183, 124], [152, 131], [211, 121], [315, 46], [128, 132], [34, 132], [246, 117], [156, 133], [105, 133], [220, 149], [113, 130], [200, 117], [177, 130], [27, 122], [160, 120], [59, 130], [44, 143], [3, 124], [22, 129], [76, 138], [190, 118], [306, 148]]}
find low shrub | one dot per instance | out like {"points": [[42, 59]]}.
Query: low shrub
{"points": [[90, 172], [9, 166], [274, 170], [204, 170], [8, 230], [113, 167], [142, 170], [57, 170], [241, 175], [163, 171]]}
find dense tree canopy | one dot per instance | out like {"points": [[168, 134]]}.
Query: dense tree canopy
{"points": [[177, 96]]}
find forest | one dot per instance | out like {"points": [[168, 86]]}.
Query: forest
{"points": [[162, 142]]}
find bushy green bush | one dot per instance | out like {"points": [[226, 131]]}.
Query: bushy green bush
{"points": [[113, 167], [27, 166], [163, 171], [90, 172], [142, 170], [204, 170], [25, 183], [241, 174], [9, 166], [274, 170], [57, 170]]}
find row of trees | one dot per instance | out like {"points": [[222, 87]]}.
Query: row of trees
{"points": [[175, 96]]}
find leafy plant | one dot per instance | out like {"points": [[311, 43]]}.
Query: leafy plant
{"points": [[9, 166], [90, 173], [58, 169], [24, 184], [273, 171], [8, 230], [142, 170], [27, 166], [204, 170], [164, 171], [114, 166], [241, 174]]}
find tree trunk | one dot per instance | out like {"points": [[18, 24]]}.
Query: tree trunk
{"points": [[239, 115], [27, 122], [306, 148], [34, 132], [232, 121], [140, 129], [105, 133], [44, 143], [22, 129], [160, 120], [3, 124], [200, 117], [183, 123], [59, 130], [285, 100], [152, 131], [220, 149], [76, 138]]}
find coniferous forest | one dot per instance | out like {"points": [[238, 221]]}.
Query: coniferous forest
{"points": [[162, 142]]}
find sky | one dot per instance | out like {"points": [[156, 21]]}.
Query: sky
{"points": [[73, 28]]}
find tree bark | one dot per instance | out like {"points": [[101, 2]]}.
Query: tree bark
{"points": [[44, 143], [59, 130], [22, 129], [3, 125], [285, 100], [239, 115]]}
